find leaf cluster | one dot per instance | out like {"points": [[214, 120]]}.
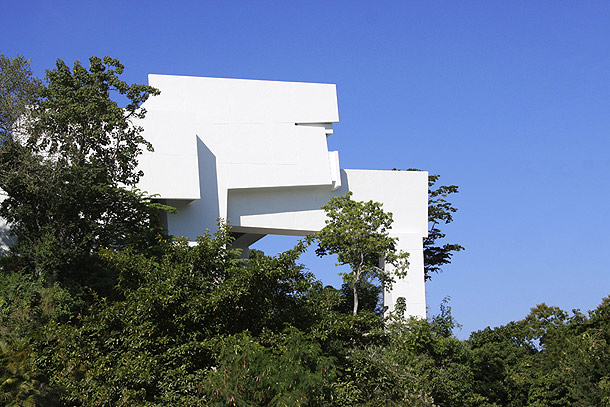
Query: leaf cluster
{"points": [[18, 90], [79, 123], [440, 213], [67, 170]]}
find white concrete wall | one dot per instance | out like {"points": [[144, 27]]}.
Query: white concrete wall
{"points": [[242, 101], [296, 210], [213, 135], [6, 240], [412, 287]]}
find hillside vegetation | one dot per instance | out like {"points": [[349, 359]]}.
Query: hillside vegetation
{"points": [[99, 307]]}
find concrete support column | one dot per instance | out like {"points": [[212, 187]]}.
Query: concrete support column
{"points": [[244, 240], [411, 287]]}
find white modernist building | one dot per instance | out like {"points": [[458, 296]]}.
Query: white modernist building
{"points": [[255, 153]]}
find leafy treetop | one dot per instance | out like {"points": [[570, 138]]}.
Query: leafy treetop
{"points": [[78, 122], [440, 212], [66, 167], [18, 89]]}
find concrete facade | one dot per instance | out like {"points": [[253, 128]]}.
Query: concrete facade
{"points": [[255, 154], [5, 237]]}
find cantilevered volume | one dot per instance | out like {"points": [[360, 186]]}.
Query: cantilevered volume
{"points": [[255, 153]]}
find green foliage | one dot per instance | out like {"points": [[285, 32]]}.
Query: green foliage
{"points": [[548, 359], [379, 375], [443, 324], [197, 325], [18, 90], [369, 297], [358, 233], [98, 308], [62, 215], [574, 363], [501, 358], [77, 122], [159, 340], [440, 212], [66, 172], [291, 372], [25, 307], [440, 363]]}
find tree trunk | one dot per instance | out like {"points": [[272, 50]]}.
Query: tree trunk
{"points": [[355, 281], [355, 312]]}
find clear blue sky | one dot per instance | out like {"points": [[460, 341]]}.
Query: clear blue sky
{"points": [[509, 100]]}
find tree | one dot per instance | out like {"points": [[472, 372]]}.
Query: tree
{"points": [[440, 212], [191, 324], [77, 123], [70, 175], [18, 89], [358, 233], [573, 365], [369, 296]]}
